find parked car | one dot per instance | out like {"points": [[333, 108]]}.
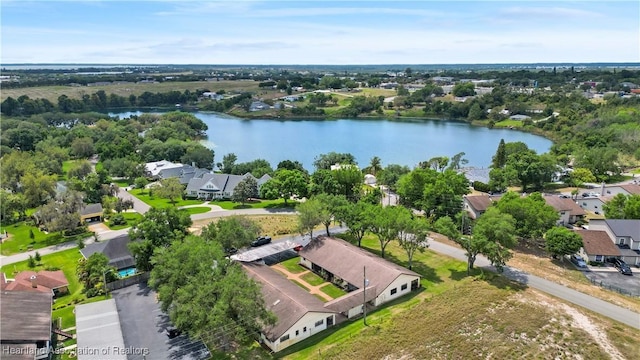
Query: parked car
{"points": [[262, 240], [578, 261], [562, 196], [622, 267], [230, 251], [172, 332]]}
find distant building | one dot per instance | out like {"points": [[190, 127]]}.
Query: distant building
{"points": [[217, 186], [116, 250], [52, 282], [519, 117]]}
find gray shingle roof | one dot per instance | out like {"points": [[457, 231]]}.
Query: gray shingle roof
{"points": [[629, 228], [221, 182], [116, 250], [91, 209], [25, 316]]}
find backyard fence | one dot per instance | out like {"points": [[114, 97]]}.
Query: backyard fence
{"points": [[615, 288], [128, 281]]}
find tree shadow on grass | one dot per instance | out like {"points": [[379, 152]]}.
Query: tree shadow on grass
{"points": [[509, 280], [426, 272]]}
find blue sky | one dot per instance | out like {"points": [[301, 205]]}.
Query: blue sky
{"points": [[319, 32]]}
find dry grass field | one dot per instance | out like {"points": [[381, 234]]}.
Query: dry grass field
{"points": [[53, 92], [564, 273]]}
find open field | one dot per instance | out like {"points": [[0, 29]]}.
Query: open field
{"points": [[272, 225], [132, 218], [156, 201], [53, 92], [196, 210], [509, 123]]}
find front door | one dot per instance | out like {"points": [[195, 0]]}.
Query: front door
{"points": [[329, 321]]}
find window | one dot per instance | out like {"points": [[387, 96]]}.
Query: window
{"points": [[304, 329], [621, 242], [394, 291], [297, 332], [403, 287], [319, 323], [584, 204], [599, 258], [284, 338], [562, 213]]}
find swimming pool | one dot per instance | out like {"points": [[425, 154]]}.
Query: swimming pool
{"points": [[126, 272]]}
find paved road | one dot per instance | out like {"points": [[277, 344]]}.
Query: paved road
{"points": [[138, 205], [602, 307], [106, 235]]}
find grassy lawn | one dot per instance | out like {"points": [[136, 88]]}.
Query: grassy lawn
{"points": [[333, 291], [509, 123], [132, 218], [122, 183], [257, 204], [196, 210], [312, 279], [300, 284], [20, 239], [66, 166], [293, 266], [159, 202]]}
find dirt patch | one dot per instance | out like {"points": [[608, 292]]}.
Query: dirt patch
{"points": [[98, 228], [577, 320]]}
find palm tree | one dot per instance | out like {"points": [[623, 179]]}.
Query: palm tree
{"points": [[375, 165]]}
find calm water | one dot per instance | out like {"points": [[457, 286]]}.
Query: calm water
{"points": [[405, 143]]}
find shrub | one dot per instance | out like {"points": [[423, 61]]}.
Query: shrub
{"points": [[118, 219], [480, 186]]}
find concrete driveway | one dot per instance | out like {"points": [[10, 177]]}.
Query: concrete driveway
{"points": [[138, 205]]}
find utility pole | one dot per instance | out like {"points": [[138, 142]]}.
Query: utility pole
{"points": [[364, 295]]}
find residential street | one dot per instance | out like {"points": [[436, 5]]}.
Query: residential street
{"points": [[602, 307], [614, 312], [138, 205]]}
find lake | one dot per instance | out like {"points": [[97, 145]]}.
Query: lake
{"points": [[395, 142]]}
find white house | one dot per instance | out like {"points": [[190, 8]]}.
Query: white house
{"points": [[155, 168], [344, 264], [597, 246], [476, 205], [594, 204], [299, 314], [568, 211], [209, 186]]}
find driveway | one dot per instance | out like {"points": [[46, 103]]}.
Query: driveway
{"points": [[143, 327], [138, 205], [613, 280]]}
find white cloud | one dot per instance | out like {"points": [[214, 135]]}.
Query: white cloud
{"points": [[546, 12]]}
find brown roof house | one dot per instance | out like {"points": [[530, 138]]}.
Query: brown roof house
{"points": [[25, 325], [597, 245], [624, 233], [567, 209], [53, 282], [300, 314], [476, 205], [91, 212]]}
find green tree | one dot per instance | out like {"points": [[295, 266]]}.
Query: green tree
{"points": [[206, 294], [349, 180], [140, 183], [412, 236], [499, 160], [232, 232], [386, 223], [560, 241], [79, 170], [411, 186], [375, 165], [38, 188], [443, 197], [464, 89], [247, 188], [93, 272], [309, 216], [324, 182], [82, 147], [623, 207], [324, 161], [579, 176], [357, 217], [228, 162], [171, 189], [31, 262], [494, 237], [532, 215], [285, 184], [330, 205], [37, 257], [157, 229], [391, 174]]}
